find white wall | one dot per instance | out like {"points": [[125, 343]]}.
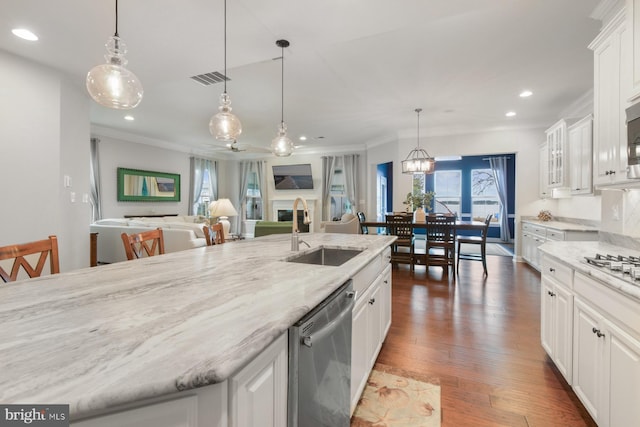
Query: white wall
{"points": [[45, 135]]}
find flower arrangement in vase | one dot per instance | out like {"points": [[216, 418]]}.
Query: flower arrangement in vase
{"points": [[419, 202]]}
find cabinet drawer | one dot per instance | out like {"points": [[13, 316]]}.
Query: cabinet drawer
{"points": [[558, 271], [555, 235], [365, 277], [534, 229]]}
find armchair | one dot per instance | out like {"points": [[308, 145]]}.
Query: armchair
{"points": [[348, 224]]}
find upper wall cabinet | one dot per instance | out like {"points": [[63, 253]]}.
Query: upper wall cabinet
{"points": [[557, 155], [612, 86], [633, 22], [580, 137]]}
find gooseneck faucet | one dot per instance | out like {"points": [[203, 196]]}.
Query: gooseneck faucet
{"points": [[295, 233]]}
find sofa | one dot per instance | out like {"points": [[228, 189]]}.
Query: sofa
{"points": [[180, 233], [348, 224], [264, 228]]}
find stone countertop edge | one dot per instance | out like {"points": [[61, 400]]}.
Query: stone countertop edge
{"points": [[97, 338], [561, 226], [573, 253]]}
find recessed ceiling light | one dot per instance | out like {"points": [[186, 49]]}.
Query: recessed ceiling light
{"points": [[25, 34], [510, 114], [303, 138], [129, 118], [525, 94]]}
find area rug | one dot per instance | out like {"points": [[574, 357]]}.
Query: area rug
{"points": [[398, 398]]}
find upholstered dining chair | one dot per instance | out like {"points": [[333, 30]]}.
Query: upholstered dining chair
{"points": [[440, 246], [46, 248], [214, 234], [402, 250], [480, 240], [150, 241]]}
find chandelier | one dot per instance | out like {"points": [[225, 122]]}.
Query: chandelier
{"points": [[418, 161]]}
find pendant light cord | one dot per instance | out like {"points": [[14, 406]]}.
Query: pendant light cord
{"points": [[116, 33], [418, 111], [225, 46], [282, 91]]}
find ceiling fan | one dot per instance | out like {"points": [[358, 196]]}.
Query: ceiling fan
{"points": [[237, 147]]}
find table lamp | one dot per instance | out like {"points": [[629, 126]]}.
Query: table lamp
{"points": [[223, 209]]}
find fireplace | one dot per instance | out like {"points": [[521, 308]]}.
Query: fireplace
{"points": [[287, 215], [284, 207]]}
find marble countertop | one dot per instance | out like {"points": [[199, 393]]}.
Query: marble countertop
{"points": [[561, 226], [573, 253], [118, 333]]}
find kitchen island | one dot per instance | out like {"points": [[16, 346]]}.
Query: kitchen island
{"points": [[104, 337]]}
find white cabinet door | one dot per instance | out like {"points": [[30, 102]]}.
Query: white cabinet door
{"points": [[258, 393], [547, 323], [633, 14], [359, 348], [557, 154], [622, 378], [543, 188], [374, 323], [612, 85], [588, 351], [385, 296], [580, 138], [563, 340]]}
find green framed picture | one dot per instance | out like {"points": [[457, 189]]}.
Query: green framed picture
{"points": [[147, 186]]}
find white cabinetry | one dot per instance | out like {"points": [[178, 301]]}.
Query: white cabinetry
{"points": [[255, 396], [370, 322], [612, 86], [557, 155], [258, 393], [544, 192], [633, 21], [606, 348], [533, 236], [580, 137], [556, 327]]}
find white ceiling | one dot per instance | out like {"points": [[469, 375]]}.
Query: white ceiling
{"points": [[354, 73]]}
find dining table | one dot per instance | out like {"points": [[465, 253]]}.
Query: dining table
{"points": [[460, 225]]}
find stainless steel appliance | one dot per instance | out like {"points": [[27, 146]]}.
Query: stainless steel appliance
{"points": [[320, 363], [633, 141], [625, 267]]}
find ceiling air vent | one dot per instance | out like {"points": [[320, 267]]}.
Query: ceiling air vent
{"points": [[209, 79]]}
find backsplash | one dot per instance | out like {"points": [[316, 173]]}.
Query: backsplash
{"points": [[621, 212]]}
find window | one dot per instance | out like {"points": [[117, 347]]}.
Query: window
{"points": [[253, 203], [340, 204], [447, 186], [202, 204], [484, 195]]}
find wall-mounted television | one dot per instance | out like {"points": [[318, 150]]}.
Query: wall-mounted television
{"points": [[293, 177]]}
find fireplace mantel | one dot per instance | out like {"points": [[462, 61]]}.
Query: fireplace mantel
{"points": [[287, 204]]}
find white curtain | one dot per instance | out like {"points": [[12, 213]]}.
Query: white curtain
{"points": [[261, 167], [197, 176], [350, 166], [499, 168], [328, 170], [94, 180], [245, 169]]}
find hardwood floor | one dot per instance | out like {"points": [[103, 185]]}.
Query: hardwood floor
{"points": [[481, 338]]}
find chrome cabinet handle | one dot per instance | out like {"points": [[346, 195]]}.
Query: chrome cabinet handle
{"points": [[597, 332], [372, 301]]}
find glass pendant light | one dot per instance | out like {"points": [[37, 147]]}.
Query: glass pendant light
{"points": [[225, 126], [281, 145], [418, 161], [111, 84]]}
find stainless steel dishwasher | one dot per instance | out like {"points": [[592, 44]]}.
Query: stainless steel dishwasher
{"points": [[320, 363]]}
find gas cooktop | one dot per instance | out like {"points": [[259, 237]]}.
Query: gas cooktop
{"points": [[623, 267]]}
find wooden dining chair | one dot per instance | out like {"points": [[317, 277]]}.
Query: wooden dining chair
{"points": [[480, 240], [214, 234], [402, 250], [46, 248], [151, 241], [440, 246]]}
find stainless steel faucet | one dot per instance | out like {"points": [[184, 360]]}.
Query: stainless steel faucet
{"points": [[295, 233]]}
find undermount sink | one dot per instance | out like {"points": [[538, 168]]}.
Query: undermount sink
{"points": [[325, 256]]}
